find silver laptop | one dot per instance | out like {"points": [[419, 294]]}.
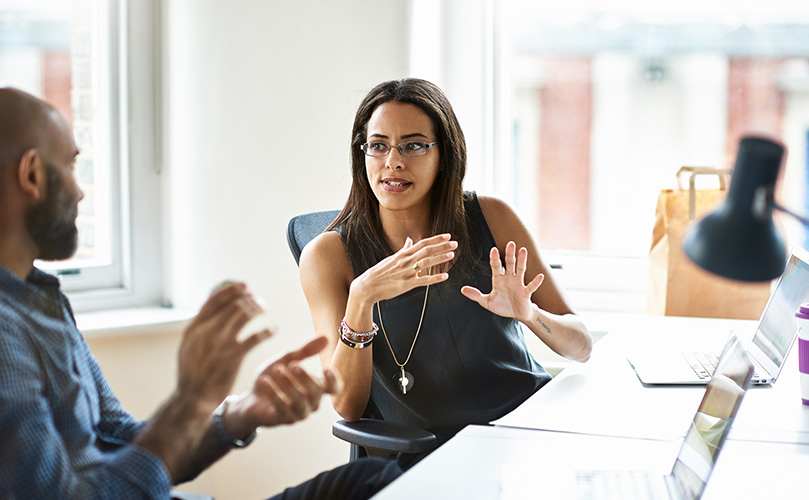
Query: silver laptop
{"points": [[700, 449], [769, 347]]}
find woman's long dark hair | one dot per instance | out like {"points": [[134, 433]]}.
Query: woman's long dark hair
{"points": [[359, 221]]}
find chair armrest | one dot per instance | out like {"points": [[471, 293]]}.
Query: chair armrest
{"points": [[373, 433], [186, 495]]}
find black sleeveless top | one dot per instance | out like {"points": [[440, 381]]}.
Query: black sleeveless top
{"points": [[469, 366]]}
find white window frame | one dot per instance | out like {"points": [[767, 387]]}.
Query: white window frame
{"points": [[135, 101]]}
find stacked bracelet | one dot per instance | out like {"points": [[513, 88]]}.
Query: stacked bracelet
{"points": [[356, 340]]}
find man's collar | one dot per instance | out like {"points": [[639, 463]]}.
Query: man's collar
{"points": [[42, 278], [35, 276]]}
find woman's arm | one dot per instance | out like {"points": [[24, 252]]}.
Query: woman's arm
{"points": [[333, 295], [548, 315], [326, 276]]}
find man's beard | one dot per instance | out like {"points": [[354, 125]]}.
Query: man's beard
{"points": [[52, 223]]}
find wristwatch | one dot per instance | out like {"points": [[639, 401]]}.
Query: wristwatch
{"points": [[222, 433]]}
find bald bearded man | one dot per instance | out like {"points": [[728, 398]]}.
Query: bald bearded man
{"points": [[64, 433]]}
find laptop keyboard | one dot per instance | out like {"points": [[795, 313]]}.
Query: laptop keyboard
{"points": [[618, 484], [703, 363]]}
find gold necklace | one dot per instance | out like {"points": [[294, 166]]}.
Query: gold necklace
{"points": [[404, 380]]}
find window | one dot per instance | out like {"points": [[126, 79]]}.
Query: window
{"points": [[75, 55], [578, 114], [606, 103], [57, 51]]}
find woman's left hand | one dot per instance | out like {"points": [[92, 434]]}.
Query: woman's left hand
{"points": [[510, 297]]}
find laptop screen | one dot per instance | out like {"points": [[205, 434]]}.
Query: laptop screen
{"points": [[713, 419], [776, 329]]}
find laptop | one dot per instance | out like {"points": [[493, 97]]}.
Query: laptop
{"points": [[774, 336], [694, 463]]}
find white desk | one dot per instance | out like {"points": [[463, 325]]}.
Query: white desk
{"points": [[605, 397], [470, 466], [598, 414]]}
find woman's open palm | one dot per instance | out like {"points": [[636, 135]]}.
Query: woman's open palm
{"points": [[510, 297]]}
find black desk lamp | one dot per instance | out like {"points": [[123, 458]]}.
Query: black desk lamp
{"points": [[739, 240]]}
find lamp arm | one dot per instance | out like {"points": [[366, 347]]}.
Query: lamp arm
{"points": [[787, 211], [764, 198]]}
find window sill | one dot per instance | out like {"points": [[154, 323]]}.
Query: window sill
{"points": [[131, 321]]}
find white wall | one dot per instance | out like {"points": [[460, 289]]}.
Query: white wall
{"points": [[259, 101]]}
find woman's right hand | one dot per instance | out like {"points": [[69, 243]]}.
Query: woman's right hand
{"points": [[406, 269]]}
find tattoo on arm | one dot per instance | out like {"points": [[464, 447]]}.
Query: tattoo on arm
{"points": [[546, 327]]}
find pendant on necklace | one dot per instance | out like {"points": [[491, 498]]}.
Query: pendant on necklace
{"points": [[403, 380]]}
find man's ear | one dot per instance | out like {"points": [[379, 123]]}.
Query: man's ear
{"points": [[31, 175]]}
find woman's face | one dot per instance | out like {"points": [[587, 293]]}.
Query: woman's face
{"points": [[399, 181]]}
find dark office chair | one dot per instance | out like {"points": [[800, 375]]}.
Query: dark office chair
{"points": [[370, 433]]}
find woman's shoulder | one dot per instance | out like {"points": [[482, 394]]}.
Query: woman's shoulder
{"points": [[495, 210], [326, 253], [323, 246], [503, 222], [324, 263]]}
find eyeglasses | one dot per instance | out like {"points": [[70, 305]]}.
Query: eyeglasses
{"points": [[411, 148]]}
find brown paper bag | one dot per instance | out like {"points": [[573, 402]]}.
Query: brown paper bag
{"points": [[677, 286]]}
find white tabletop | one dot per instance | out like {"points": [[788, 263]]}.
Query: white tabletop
{"points": [[599, 415], [605, 397], [485, 463]]}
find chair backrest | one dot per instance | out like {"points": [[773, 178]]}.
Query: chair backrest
{"points": [[303, 228]]}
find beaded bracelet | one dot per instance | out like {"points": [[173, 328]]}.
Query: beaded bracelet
{"points": [[356, 340]]}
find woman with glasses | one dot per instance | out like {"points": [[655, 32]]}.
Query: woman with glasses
{"points": [[421, 287]]}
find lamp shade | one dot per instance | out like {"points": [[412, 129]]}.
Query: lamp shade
{"points": [[739, 240]]}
